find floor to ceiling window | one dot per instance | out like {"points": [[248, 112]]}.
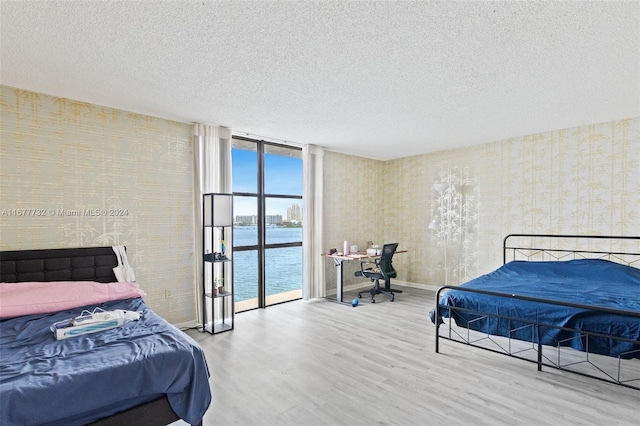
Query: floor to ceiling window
{"points": [[267, 235]]}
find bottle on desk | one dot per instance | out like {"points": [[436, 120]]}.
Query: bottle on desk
{"points": [[346, 248]]}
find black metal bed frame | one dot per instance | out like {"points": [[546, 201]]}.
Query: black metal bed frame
{"points": [[623, 370]]}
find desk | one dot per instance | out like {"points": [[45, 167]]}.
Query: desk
{"points": [[339, 260]]}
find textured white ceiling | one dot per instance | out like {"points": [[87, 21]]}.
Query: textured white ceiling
{"points": [[379, 79]]}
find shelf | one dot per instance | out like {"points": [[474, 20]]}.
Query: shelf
{"points": [[217, 266], [209, 258], [218, 327], [225, 294]]}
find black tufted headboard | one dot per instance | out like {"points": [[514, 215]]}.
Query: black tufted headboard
{"points": [[68, 264]]}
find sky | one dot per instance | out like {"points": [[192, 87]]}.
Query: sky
{"points": [[283, 176]]}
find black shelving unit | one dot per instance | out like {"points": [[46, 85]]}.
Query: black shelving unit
{"points": [[217, 272]]}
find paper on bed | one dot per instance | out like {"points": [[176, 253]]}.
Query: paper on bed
{"points": [[92, 322], [78, 330]]}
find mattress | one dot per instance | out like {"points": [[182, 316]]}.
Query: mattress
{"points": [[88, 377], [608, 294]]}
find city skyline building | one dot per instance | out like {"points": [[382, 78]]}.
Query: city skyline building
{"points": [[294, 213], [270, 219]]}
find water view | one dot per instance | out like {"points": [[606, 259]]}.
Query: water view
{"points": [[283, 269]]}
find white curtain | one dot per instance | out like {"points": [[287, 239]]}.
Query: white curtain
{"points": [[312, 241], [212, 173]]}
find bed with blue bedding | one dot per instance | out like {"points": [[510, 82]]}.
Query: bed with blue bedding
{"points": [[143, 372], [587, 300]]}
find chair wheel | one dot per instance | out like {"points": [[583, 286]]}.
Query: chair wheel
{"points": [[373, 300], [359, 296], [392, 298]]}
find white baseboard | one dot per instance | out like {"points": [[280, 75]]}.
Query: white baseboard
{"points": [[431, 287], [188, 324]]}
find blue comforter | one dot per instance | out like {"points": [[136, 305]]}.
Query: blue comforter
{"points": [[592, 282], [84, 378]]}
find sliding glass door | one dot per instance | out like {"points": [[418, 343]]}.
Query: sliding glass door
{"points": [[267, 238]]}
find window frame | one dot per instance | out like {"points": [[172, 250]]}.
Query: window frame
{"points": [[261, 198]]}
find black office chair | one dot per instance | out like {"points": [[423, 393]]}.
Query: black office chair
{"points": [[382, 269]]}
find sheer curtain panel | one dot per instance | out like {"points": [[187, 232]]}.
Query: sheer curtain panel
{"points": [[312, 241]]}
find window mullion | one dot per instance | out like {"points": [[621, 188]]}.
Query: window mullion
{"points": [[261, 229]]}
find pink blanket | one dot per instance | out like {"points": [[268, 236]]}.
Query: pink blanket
{"points": [[27, 298]]}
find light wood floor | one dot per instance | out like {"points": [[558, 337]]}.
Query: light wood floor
{"points": [[322, 363]]}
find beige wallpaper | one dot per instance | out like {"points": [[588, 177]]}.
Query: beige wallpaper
{"points": [[64, 157], [584, 180], [353, 204], [96, 176]]}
